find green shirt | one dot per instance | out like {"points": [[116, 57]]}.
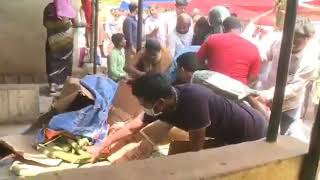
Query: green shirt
{"points": [[117, 62]]}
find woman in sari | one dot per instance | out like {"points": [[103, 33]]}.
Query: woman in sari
{"points": [[58, 19]]}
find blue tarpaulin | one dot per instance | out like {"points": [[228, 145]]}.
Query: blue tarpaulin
{"points": [[90, 121]]}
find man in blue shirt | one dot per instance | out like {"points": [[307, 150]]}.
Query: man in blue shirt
{"points": [[130, 29], [173, 75]]}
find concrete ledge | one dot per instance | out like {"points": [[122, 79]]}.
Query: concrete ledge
{"points": [[19, 103], [250, 161], [23, 78]]}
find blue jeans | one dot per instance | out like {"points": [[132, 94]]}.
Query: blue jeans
{"points": [[288, 117]]}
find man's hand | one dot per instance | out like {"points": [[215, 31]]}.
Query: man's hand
{"points": [[127, 130], [259, 105], [265, 97], [96, 152], [142, 74], [115, 127]]}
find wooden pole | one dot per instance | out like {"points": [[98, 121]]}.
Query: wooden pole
{"points": [[311, 161], [96, 31], [282, 72], [140, 23], [92, 32]]}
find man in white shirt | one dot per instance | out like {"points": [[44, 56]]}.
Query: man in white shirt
{"points": [[114, 24], [182, 36], [155, 26], [171, 18], [301, 69]]}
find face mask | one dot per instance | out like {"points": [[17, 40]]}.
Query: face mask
{"points": [[151, 112]]}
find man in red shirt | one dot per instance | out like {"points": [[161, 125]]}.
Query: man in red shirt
{"points": [[232, 55]]}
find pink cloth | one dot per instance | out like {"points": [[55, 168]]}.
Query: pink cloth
{"points": [[64, 8]]}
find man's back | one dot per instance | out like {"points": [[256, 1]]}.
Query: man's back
{"points": [[162, 66], [198, 107], [231, 55]]}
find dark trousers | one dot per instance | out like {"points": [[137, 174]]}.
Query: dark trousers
{"points": [[58, 69], [285, 123]]}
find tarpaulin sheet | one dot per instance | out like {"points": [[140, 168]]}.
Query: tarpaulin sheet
{"points": [[90, 121]]}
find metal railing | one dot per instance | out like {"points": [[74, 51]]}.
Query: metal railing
{"points": [[282, 72]]}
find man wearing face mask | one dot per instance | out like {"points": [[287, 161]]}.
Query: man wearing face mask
{"points": [[152, 59], [182, 36], [192, 108]]}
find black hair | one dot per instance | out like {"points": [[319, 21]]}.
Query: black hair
{"points": [[153, 45], [133, 6], [182, 3], [152, 87], [189, 62], [117, 38], [231, 23], [215, 21], [204, 30]]}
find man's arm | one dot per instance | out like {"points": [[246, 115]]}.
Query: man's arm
{"points": [[295, 82], [254, 70], [149, 31], [197, 138], [253, 80], [251, 26], [128, 130], [131, 66], [76, 24], [203, 51], [171, 44]]}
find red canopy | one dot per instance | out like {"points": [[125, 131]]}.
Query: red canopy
{"points": [[247, 9], [315, 3]]}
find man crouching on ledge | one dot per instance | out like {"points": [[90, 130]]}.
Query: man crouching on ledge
{"points": [[190, 107]]}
